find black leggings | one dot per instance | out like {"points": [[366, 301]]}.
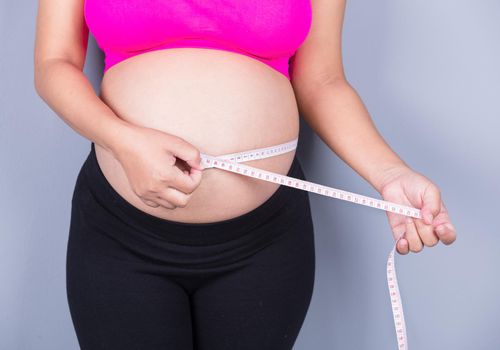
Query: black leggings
{"points": [[137, 281]]}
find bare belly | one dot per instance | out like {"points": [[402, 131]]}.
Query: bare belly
{"points": [[219, 101]]}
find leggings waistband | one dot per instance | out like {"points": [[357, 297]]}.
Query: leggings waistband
{"points": [[182, 232]]}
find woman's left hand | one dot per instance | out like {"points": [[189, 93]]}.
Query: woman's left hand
{"points": [[407, 187]]}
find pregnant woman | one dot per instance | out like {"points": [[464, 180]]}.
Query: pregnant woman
{"points": [[162, 252]]}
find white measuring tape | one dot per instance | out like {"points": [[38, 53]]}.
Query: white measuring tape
{"points": [[231, 162]]}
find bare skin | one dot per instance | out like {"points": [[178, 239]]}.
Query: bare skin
{"points": [[157, 112], [223, 111]]}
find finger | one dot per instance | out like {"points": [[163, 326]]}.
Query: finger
{"points": [[150, 202], [442, 217], [398, 230], [446, 233], [412, 236], [426, 233], [164, 203], [187, 152], [431, 203], [186, 181], [175, 197], [402, 246]]}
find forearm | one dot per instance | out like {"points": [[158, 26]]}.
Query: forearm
{"points": [[337, 114], [70, 95]]}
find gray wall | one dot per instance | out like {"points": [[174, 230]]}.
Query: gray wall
{"points": [[428, 72]]}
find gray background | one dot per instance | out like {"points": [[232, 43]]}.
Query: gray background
{"points": [[429, 74]]}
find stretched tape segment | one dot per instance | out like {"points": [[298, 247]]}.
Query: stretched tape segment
{"points": [[232, 162]]}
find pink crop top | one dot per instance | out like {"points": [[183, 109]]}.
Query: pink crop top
{"points": [[267, 30]]}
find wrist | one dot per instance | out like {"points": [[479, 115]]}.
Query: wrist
{"points": [[388, 173], [119, 136]]}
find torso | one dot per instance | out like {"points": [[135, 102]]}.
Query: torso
{"points": [[219, 101]]}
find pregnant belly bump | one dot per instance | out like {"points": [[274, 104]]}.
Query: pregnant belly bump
{"points": [[221, 102]]}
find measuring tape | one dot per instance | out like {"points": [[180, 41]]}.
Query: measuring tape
{"points": [[231, 162]]}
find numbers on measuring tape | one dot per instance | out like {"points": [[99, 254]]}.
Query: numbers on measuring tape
{"points": [[226, 162]]}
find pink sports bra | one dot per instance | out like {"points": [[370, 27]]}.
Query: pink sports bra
{"points": [[267, 30]]}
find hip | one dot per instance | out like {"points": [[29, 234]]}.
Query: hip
{"points": [[103, 223]]}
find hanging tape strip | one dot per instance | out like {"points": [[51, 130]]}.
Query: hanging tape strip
{"points": [[231, 162]]}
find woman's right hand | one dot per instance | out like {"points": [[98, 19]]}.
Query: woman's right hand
{"points": [[162, 169]]}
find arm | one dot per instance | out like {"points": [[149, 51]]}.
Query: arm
{"points": [[59, 57], [148, 156], [340, 119], [331, 106], [336, 113]]}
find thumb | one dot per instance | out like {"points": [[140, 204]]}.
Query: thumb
{"points": [[187, 152], [431, 203]]}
